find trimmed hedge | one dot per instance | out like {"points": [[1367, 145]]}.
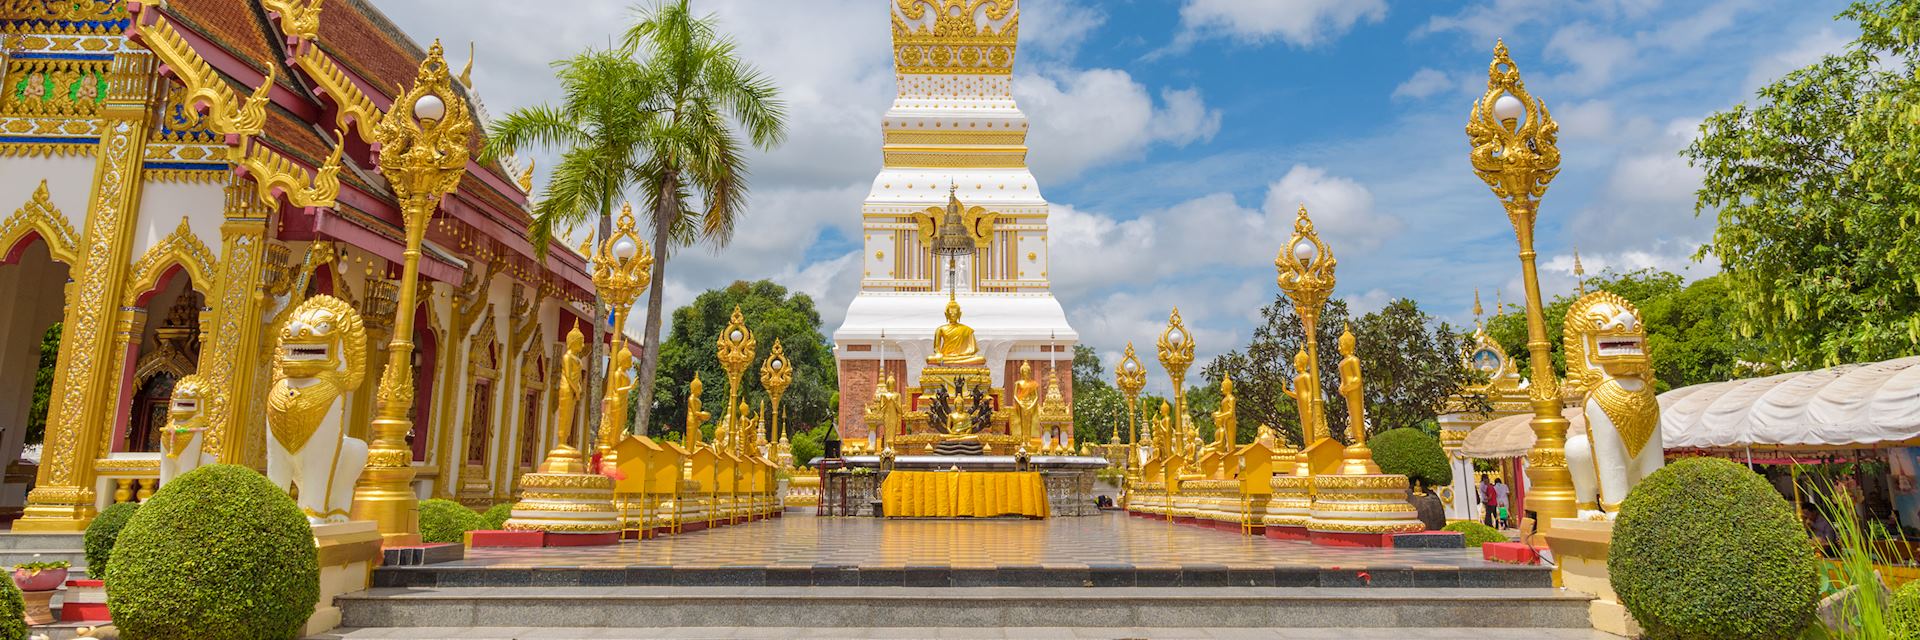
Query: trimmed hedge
{"points": [[13, 612], [102, 532], [1414, 454], [219, 553], [496, 516], [1903, 613], [1476, 534], [447, 521], [1705, 549]]}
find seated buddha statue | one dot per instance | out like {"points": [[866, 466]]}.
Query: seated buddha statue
{"points": [[953, 343]]}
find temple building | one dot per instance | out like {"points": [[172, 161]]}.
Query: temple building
{"points": [[175, 176], [954, 151]]}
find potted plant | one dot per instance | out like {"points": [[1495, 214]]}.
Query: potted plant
{"points": [[40, 576]]}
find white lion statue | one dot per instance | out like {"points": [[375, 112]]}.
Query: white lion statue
{"points": [[1607, 356], [185, 434], [322, 354]]}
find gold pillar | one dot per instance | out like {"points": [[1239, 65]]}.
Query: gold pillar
{"points": [[85, 392], [423, 153], [1515, 151], [233, 348]]}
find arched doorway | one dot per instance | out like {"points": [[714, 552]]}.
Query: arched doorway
{"points": [[168, 349], [30, 329]]}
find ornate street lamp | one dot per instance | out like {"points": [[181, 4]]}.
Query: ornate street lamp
{"points": [[1130, 377], [1176, 354], [1515, 151], [1305, 269], [775, 374], [736, 350], [621, 270], [423, 142]]}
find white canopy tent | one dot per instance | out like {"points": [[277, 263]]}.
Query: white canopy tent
{"points": [[1854, 405]]}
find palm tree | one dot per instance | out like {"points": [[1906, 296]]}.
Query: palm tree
{"points": [[696, 90], [601, 137]]}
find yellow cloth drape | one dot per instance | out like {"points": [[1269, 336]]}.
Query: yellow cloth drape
{"points": [[964, 494]]}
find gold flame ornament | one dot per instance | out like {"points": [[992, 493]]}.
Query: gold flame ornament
{"points": [[775, 374]]}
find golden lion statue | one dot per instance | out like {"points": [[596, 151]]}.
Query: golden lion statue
{"points": [[1606, 348]]}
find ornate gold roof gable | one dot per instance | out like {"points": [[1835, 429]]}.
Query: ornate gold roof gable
{"points": [[955, 36]]}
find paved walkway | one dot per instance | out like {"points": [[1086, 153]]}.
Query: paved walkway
{"points": [[806, 541]]}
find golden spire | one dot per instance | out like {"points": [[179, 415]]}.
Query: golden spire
{"points": [[1579, 273], [1477, 311]]}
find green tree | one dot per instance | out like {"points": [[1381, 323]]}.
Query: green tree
{"points": [[1411, 365], [1098, 408], [1691, 334], [1812, 186], [601, 140], [43, 385], [772, 313], [696, 92]]}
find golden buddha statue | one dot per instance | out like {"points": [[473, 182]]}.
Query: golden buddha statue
{"points": [[564, 458], [695, 416], [1225, 425], [1304, 386], [953, 343], [1026, 405]]}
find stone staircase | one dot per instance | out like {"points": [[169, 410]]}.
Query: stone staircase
{"points": [[16, 548], [405, 612]]}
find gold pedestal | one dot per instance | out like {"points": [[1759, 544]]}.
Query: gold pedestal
{"points": [[1580, 549], [565, 503], [1357, 460], [563, 460], [937, 375], [348, 553], [1362, 504], [384, 493], [1292, 501]]}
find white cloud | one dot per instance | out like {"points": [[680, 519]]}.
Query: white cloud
{"points": [[1368, 302], [1086, 118], [1425, 83], [1807, 50], [1301, 23], [1596, 56], [1341, 208]]}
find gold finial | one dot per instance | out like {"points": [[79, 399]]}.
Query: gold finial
{"points": [[466, 74], [526, 178], [1477, 311]]}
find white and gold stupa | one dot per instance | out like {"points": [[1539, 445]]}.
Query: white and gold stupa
{"points": [[953, 138]]}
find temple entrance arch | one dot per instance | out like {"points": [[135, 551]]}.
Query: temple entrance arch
{"points": [[35, 282], [167, 319]]}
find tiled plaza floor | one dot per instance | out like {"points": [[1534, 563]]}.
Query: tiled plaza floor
{"points": [[1112, 539]]}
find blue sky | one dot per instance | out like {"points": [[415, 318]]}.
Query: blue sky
{"points": [[1176, 137]]}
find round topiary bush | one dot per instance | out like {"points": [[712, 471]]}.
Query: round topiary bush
{"points": [[1414, 454], [13, 612], [1903, 613], [1705, 549], [218, 553], [496, 516], [446, 521], [1476, 534], [101, 533]]}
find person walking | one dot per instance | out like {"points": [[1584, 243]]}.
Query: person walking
{"points": [[1487, 501], [1500, 493]]}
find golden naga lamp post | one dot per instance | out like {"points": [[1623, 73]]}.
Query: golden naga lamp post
{"points": [[621, 269], [1515, 151], [1305, 269], [1176, 354], [736, 351], [775, 374], [423, 153], [1130, 377]]}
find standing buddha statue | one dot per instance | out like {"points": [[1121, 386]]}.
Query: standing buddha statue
{"points": [[1026, 405], [1359, 459], [565, 458], [1225, 425], [695, 416]]}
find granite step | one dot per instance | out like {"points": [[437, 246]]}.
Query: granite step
{"points": [[954, 633], [22, 541], [985, 607]]}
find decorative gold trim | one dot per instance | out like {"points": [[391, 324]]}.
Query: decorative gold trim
{"points": [[955, 159], [954, 137], [954, 43], [39, 215], [127, 466], [181, 248]]}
